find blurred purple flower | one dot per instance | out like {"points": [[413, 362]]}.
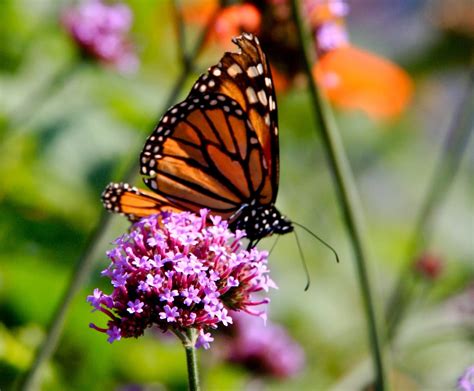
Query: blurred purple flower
{"points": [[330, 36], [262, 347], [466, 381], [339, 7], [100, 30], [326, 18], [178, 271]]}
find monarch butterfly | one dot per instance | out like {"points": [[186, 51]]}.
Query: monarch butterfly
{"points": [[217, 149]]}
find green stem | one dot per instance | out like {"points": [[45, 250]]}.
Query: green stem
{"points": [[83, 266], [85, 261], [453, 149], [191, 360], [348, 200], [180, 33]]}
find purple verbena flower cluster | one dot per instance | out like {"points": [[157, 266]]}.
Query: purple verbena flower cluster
{"points": [[330, 36], [178, 271], [100, 30], [262, 348], [466, 381]]}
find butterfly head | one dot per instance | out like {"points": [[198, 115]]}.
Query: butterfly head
{"points": [[260, 221]]}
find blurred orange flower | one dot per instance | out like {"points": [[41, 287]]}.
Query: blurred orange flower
{"points": [[280, 81], [353, 78], [235, 19], [198, 11], [230, 21]]}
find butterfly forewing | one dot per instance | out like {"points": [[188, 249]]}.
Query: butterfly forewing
{"points": [[246, 77], [204, 153]]}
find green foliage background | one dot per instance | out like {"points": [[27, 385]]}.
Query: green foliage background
{"points": [[66, 147]]}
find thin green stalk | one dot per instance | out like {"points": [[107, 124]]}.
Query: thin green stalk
{"points": [[82, 270], [85, 261], [453, 149], [348, 201], [191, 360], [180, 33]]}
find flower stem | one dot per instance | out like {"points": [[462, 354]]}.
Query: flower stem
{"points": [[191, 360], [454, 146], [84, 264], [348, 200], [180, 33], [85, 261]]}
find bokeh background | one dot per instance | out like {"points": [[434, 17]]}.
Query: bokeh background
{"points": [[61, 143]]}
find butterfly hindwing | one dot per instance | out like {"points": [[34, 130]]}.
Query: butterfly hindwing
{"points": [[133, 202]]}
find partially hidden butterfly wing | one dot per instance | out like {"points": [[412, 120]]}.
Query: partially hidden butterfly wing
{"points": [[245, 76], [133, 202], [204, 153]]}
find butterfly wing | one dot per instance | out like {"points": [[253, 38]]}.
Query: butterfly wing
{"points": [[204, 153], [133, 202], [218, 149], [245, 76]]}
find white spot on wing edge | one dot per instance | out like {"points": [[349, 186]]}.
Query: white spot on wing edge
{"points": [[271, 104], [267, 119], [234, 70], [252, 71], [252, 97], [262, 97]]}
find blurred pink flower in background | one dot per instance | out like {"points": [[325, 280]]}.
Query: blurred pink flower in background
{"points": [[263, 348], [466, 381], [101, 32], [331, 36]]}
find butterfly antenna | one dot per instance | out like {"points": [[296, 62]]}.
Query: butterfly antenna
{"points": [[274, 244], [305, 266], [318, 238]]}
